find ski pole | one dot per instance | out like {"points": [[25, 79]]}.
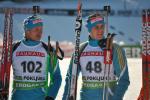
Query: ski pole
{"points": [[107, 9], [106, 58]]}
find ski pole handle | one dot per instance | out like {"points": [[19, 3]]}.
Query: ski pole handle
{"points": [[108, 50], [108, 41], [36, 9], [59, 51], [107, 8], [49, 44], [57, 46]]}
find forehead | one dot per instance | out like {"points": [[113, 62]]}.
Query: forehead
{"points": [[36, 28], [99, 25], [95, 15]]}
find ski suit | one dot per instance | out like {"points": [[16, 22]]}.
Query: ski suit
{"points": [[31, 69], [92, 69]]}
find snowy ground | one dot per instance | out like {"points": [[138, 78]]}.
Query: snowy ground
{"points": [[135, 72]]}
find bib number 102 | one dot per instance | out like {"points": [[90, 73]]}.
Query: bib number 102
{"points": [[97, 67], [31, 66]]}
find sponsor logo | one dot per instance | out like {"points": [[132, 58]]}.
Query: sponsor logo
{"points": [[96, 19], [30, 53], [92, 53], [97, 78], [30, 78], [37, 21]]}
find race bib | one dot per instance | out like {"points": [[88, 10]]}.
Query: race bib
{"points": [[29, 66], [94, 71]]}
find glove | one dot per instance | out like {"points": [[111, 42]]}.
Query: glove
{"points": [[49, 98]]}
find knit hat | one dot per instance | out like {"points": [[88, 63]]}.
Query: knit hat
{"points": [[32, 22], [93, 20]]}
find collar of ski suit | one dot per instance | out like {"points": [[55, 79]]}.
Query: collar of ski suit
{"points": [[29, 42], [93, 42]]}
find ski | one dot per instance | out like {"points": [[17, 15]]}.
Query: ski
{"points": [[6, 56], [73, 87], [145, 90]]}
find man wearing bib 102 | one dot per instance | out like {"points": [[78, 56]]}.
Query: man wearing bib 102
{"points": [[92, 66], [31, 65]]}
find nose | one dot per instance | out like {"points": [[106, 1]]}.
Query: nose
{"points": [[39, 30], [100, 31]]}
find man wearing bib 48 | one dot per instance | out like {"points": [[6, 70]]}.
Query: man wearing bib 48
{"points": [[93, 69], [31, 67]]}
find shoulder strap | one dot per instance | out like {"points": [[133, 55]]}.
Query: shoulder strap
{"points": [[15, 46], [82, 47]]}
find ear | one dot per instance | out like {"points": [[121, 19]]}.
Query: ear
{"points": [[26, 34]]}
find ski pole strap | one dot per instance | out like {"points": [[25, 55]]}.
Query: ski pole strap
{"points": [[108, 50], [108, 56], [96, 85], [62, 54]]}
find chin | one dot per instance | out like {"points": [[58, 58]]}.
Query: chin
{"points": [[37, 39], [99, 38]]}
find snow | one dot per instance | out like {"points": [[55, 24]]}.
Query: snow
{"points": [[135, 74]]}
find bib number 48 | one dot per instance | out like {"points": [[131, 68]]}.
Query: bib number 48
{"points": [[31, 66], [94, 66]]}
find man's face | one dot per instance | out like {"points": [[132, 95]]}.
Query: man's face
{"points": [[35, 33], [97, 32]]}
